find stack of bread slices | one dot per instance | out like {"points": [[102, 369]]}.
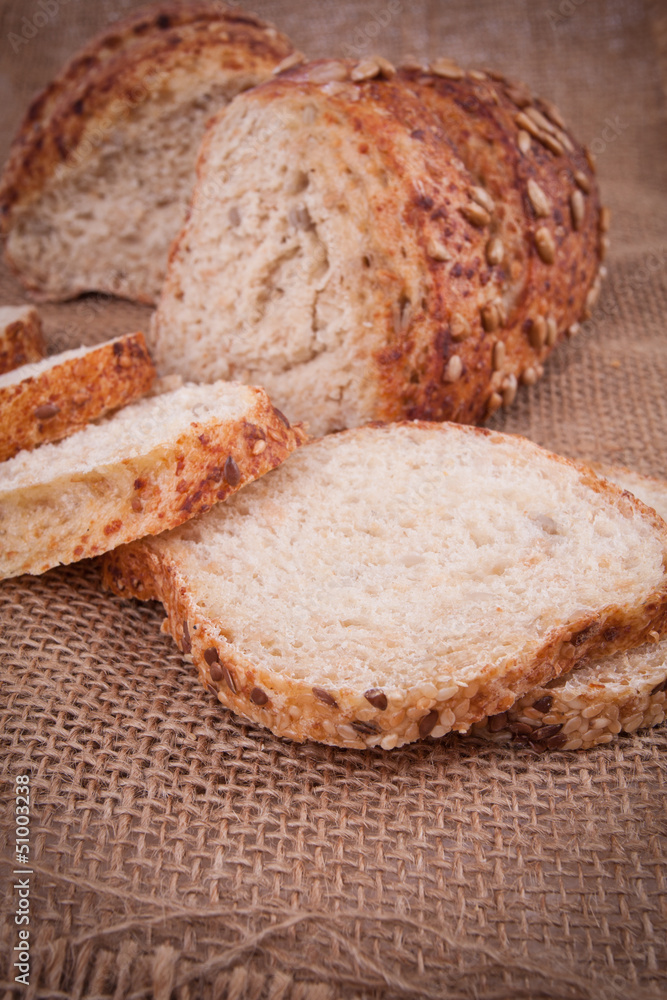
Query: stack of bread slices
{"points": [[389, 253]]}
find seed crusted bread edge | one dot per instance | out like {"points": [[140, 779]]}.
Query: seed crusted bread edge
{"points": [[547, 719], [342, 717], [21, 340], [159, 490], [61, 400]]}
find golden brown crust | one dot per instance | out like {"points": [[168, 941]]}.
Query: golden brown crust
{"points": [[292, 708], [149, 493], [116, 73], [63, 399], [21, 342]]}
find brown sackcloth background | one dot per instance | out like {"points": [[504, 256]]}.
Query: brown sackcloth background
{"points": [[176, 851]]}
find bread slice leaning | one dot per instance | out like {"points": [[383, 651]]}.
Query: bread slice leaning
{"points": [[398, 581], [100, 174], [600, 698], [21, 337], [53, 398], [147, 467]]}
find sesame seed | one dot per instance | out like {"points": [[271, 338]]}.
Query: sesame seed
{"points": [[538, 199], [454, 369], [545, 244], [447, 68], [578, 208], [495, 251]]}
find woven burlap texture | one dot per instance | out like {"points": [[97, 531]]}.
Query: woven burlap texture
{"points": [[178, 852]]}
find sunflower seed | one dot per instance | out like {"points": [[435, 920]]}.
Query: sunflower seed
{"points": [[546, 247], [476, 215], [386, 68], [529, 376], [476, 74], [294, 59], [490, 317], [604, 247], [498, 356], [438, 250], [582, 181], [447, 68], [538, 199], [565, 140], [537, 334], [483, 198], [528, 125], [605, 219], [365, 70], [495, 402], [578, 208], [495, 251], [523, 141], [509, 389], [553, 113], [518, 95], [539, 119], [459, 327], [552, 331], [552, 143], [590, 159], [454, 369]]}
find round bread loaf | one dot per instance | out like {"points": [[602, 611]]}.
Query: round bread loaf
{"points": [[101, 171], [366, 247]]}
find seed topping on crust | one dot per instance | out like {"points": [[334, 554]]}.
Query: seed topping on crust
{"points": [[523, 141], [216, 672], [543, 704], [293, 59], [459, 327], [47, 411], [509, 387], [211, 655], [498, 359], [483, 198], [605, 219], [552, 331], [187, 642], [538, 199], [454, 369], [325, 697], [495, 251], [582, 181], [495, 402], [366, 728], [476, 215], [578, 208], [428, 723], [447, 68], [231, 472], [258, 696], [537, 333], [259, 447], [377, 698], [545, 244]]}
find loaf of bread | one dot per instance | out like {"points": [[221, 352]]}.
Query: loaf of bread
{"points": [[53, 398], [21, 337], [397, 581], [403, 247], [100, 174], [600, 698], [147, 467]]}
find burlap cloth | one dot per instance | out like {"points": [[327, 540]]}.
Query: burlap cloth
{"points": [[179, 852]]}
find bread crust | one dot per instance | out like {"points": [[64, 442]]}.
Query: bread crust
{"points": [[448, 333], [590, 709], [112, 76], [21, 341], [63, 399], [292, 708], [143, 494]]}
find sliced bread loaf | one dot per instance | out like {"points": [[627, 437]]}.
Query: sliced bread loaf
{"points": [[100, 174], [21, 337], [398, 581], [587, 707], [352, 251], [52, 398], [147, 467]]}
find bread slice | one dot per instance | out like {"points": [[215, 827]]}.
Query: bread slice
{"points": [[55, 397], [397, 581], [587, 707], [370, 264], [148, 467], [101, 172], [21, 337]]}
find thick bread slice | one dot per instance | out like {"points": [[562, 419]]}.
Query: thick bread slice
{"points": [[392, 582], [100, 174], [55, 397], [148, 467], [587, 707], [371, 262], [21, 337]]}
